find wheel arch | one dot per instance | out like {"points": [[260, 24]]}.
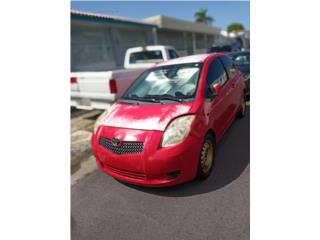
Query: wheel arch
{"points": [[212, 133]]}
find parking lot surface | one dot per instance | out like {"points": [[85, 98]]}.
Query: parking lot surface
{"points": [[218, 208]]}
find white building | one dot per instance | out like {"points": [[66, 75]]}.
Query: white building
{"points": [[99, 41], [187, 37]]}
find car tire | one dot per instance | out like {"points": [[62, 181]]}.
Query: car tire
{"points": [[243, 107], [206, 158]]}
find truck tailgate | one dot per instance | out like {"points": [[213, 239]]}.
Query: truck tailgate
{"points": [[95, 89], [95, 82]]}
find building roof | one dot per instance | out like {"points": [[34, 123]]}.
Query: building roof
{"points": [[97, 17], [181, 25]]}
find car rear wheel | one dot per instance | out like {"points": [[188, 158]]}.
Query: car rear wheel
{"points": [[243, 107], [207, 157]]}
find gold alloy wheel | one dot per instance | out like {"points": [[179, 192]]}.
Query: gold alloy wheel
{"points": [[206, 156]]}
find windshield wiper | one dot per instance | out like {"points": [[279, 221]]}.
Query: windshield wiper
{"points": [[143, 99], [164, 97]]}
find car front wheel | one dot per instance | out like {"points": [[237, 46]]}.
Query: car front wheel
{"points": [[207, 157]]}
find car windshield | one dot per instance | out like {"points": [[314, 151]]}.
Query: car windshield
{"points": [[170, 83], [146, 57]]}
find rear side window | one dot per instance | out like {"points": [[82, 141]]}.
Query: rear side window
{"points": [[229, 65], [216, 74], [173, 54], [146, 57]]}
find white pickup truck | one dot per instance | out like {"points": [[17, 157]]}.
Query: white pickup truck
{"points": [[98, 90]]}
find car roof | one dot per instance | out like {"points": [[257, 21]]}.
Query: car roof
{"points": [[188, 59]]}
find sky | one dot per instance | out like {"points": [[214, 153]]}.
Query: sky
{"points": [[224, 12]]}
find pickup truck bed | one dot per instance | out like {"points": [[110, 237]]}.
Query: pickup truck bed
{"points": [[98, 90]]}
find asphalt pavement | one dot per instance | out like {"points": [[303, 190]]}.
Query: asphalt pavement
{"points": [[216, 209]]}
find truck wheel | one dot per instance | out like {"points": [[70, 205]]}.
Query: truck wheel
{"points": [[207, 157]]}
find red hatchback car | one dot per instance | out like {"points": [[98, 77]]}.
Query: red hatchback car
{"points": [[164, 129]]}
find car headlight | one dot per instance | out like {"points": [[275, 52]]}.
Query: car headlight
{"points": [[177, 130], [100, 120]]}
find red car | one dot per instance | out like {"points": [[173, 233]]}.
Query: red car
{"points": [[164, 129]]}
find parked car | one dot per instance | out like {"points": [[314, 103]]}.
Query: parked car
{"points": [[98, 90], [242, 61], [164, 129], [225, 48]]}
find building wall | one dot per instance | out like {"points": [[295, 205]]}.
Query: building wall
{"points": [[183, 41], [100, 46], [193, 37], [189, 43], [211, 39], [172, 38]]}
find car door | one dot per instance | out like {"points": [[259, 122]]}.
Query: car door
{"points": [[216, 106], [235, 92]]}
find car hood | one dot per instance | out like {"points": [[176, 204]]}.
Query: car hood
{"points": [[144, 117]]}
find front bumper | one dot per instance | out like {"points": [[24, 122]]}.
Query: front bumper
{"points": [[154, 166]]}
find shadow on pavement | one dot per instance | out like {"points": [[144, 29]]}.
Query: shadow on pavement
{"points": [[232, 158]]}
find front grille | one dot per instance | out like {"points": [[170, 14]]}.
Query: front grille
{"points": [[125, 173], [125, 147]]}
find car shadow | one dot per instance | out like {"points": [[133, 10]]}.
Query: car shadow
{"points": [[232, 158]]}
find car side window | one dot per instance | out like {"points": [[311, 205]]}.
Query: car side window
{"points": [[216, 74], [173, 54]]}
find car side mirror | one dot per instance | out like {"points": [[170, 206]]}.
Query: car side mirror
{"points": [[216, 88]]}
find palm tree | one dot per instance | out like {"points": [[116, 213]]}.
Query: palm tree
{"points": [[202, 17]]}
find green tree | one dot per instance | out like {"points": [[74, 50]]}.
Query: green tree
{"points": [[202, 17], [234, 27]]}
